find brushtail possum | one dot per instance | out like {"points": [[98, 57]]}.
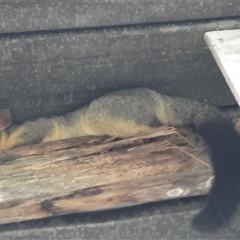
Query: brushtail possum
{"points": [[128, 112]]}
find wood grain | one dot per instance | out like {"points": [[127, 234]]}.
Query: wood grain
{"points": [[96, 173]]}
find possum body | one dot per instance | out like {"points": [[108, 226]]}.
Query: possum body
{"points": [[128, 112]]}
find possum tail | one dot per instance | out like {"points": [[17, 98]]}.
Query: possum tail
{"points": [[219, 132], [224, 195]]}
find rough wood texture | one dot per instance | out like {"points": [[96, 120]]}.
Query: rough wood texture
{"points": [[96, 173], [225, 47]]}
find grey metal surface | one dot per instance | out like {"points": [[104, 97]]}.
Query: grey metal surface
{"points": [[164, 220], [21, 15], [55, 73]]}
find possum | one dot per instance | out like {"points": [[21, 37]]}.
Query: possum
{"points": [[128, 112]]}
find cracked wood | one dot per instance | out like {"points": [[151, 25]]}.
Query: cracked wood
{"points": [[97, 173]]}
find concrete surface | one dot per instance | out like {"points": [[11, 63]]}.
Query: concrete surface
{"points": [[42, 74], [23, 16]]}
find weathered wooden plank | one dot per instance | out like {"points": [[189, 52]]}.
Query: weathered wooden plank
{"points": [[96, 173], [225, 47]]}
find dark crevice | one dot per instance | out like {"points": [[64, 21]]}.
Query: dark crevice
{"points": [[51, 32]]}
